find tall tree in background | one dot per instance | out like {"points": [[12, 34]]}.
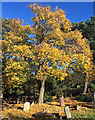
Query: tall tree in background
{"points": [[88, 31], [15, 68]]}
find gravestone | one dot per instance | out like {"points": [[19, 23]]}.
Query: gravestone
{"points": [[60, 118], [78, 107], [26, 106], [32, 103], [47, 111], [43, 115], [61, 101], [67, 112]]}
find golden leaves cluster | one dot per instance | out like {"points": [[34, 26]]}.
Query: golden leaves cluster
{"points": [[53, 50], [76, 49]]}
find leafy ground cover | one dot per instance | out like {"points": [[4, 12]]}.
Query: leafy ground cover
{"points": [[15, 112]]}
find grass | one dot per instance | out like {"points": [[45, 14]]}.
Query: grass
{"points": [[84, 113]]}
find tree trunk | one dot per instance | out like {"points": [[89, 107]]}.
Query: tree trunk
{"points": [[94, 95], [85, 87], [86, 84], [16, 96], [94, 100], [41, 92]]}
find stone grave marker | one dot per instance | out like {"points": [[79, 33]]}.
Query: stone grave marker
{"points": [[67, 112], [61, 101], [32, 103], [78, 107], [26, 106], [47, 111], [60, 118]]}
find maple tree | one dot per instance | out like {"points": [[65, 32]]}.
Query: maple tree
{"points": [[51, 52], [58, 52], [15, 66], [87, 28]]}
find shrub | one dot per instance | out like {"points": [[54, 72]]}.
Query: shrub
{"points": [[47, 98], [85, 97]]}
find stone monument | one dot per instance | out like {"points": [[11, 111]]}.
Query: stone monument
{"points": [[26, 106], [67, 112]]}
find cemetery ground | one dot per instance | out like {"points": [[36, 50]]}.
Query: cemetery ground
{"points": [[77, 110]]}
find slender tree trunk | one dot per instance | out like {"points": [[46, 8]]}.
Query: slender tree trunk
{"points": [[42, 92], [94, 95], [86, 84], [94, 100], [16, 96]]}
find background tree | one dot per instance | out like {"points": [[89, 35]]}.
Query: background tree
{"points": [[88, 31], [15, 68]]}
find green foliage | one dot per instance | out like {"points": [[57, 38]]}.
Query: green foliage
{"points": [[47, 98], [85, 97], [88, 114]]}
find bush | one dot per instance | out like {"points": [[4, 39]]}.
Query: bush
{"points": [[47, 98], [85, 97]]}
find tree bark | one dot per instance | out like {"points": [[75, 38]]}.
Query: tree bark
{"points": [[86, 84], [94, 100], [94, 95], [42, 92]]}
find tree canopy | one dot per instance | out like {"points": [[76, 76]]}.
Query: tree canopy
{"points": [[88, 31], [49, 52]]}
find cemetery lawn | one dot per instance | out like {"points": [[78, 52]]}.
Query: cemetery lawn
{"points": [[16, 113], [85, 113]]}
